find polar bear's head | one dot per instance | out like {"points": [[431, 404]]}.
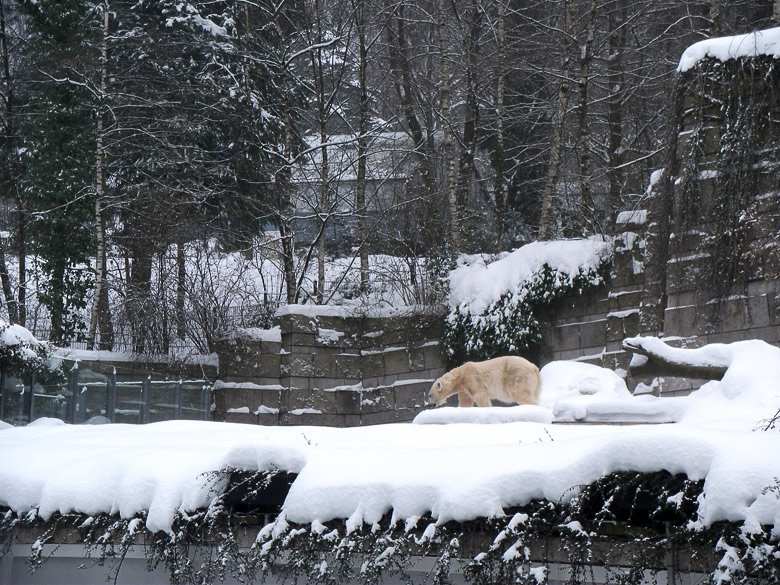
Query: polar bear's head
{"points": [[443, 388]]}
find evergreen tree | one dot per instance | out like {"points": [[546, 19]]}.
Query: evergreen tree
{"points": [[57, 144]]}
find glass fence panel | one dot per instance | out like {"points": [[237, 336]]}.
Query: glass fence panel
{"points": [[88, 396], [163, 400], [129, 402], [50, 400], [196, 400], [13, 401]]}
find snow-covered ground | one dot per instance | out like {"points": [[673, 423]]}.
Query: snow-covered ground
{"points": [[469, 467]]}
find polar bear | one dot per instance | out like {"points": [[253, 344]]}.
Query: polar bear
{"points": [[508, 379]]}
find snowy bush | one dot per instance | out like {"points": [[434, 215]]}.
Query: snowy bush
{"points": [[21, 353], [522, 285]]}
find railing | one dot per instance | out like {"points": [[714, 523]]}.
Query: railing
{"points": [[90, 397]]}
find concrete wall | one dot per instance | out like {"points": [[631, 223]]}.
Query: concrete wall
{"points": [[328, 369]]}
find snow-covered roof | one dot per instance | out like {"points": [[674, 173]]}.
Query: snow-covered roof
{"points": [[461, 470], [762, 42]]}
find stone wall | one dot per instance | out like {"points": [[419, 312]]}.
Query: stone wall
{"points": [[713, 258], [321, 367]]}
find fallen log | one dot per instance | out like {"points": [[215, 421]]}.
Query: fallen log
{"points": [[652, 357]]}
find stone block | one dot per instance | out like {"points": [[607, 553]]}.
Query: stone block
{"points": [[324, 401], [332, 384], [300, 365], [296, 399], [348, 401], [300, 324], [410, 395], [373, 364], [268, 420], [325, 366], [769, 334], [296, 382], [758, 310], [416, 357], [239, 417], [396, 361], [270, 398], [565, 337], [377, 400], [268, 365], [433, 356], [679, 321], [593, 333], [300, 340], [378, 418], [625, 300], [730, 314], [312, 419], [773, 302], [348, 366], [406, 414]]}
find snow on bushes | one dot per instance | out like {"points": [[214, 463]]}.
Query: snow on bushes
{"points": [[21, 353], [495, 302]]}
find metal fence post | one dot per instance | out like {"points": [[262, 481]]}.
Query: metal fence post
{"points": [[2, 390], [27, 402], [111, 396], [177, 401], [146, 397], [81, 404], [205, 401], [73, 382]]}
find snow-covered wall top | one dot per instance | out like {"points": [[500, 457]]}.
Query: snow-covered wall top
{"points": [[763, 42], [475, 284]]}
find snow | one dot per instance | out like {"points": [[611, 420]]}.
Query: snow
{"points": [[477, 282], [467, 466], [763, 42]]}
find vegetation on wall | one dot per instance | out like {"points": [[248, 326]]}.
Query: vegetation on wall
{"points": [[511, 325], [729, 141], [632, 525]]}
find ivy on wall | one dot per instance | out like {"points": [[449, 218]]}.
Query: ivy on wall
{"points": [[511, 325], [631, 526], [730, 137]]}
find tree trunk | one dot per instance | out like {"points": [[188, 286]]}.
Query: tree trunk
{"points": [[583, 136], [360, 193], [716, 10], [546, 228], [138, 294], [450, 186], [284, 197], [100, 187], [181, 287], [617, 41], [10, 167], [471, 122], [499, 185], [423, 138]]}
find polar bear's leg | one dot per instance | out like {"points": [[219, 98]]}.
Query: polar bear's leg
{"points": [[464, 399], [482, 398]]}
